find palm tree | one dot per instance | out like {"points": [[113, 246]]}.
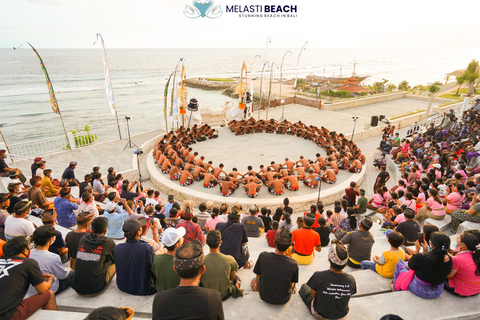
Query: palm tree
{"points": [[433, 89], [460, 81], [471, 75], [404, 86], [391, 87]]}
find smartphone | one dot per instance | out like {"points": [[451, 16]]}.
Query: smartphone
{"points": [[420, 237]]}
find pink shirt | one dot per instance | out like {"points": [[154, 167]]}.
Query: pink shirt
{"points": [[421, 198], [386, 198], [418, 174], [400, 218], [464, 281], [377, 200], [411, 204], [400, 188], [455, 200], [436, 208], [211, 223], [464, 175], [438, 173]]}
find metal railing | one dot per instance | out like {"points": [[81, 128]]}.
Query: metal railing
{"points": [[39, 147], [82, 139], [436, 119]]}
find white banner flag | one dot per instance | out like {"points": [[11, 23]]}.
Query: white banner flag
{"points": [[108, 81]]}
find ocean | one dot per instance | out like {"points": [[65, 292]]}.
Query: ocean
{"points": [[139, 77]]}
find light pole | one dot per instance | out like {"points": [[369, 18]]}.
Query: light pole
{"points": [[354, 123], [270, 87], [261, 85], [304, 47]]}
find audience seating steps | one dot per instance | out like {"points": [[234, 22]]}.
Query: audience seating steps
{"points": [[464, 226], [62, 315], [443, 224], [4, 184]]}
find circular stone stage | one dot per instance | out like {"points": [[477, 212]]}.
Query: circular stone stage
{"points": [[253, 149]]}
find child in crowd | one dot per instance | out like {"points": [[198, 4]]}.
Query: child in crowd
{"points": [[270, 236], [323, 231], [299, 224], [385, 264]]}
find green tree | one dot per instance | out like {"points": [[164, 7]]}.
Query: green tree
{"points": [[378, 87], [433, 89], [404, 86], [471, 76], [460, 82], [391, 87]]}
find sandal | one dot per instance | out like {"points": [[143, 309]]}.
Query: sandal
{"points": [[248, 264], [392, 284]]}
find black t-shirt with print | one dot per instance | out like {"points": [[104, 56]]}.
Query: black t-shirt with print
{"points": [[333, 293], [16, 275]]}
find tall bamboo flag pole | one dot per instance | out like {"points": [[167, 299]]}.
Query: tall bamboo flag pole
{"points": [[304, 47], [165, 105], [108, 83], [5, 142], [53, 99], [270, 87], [261, 87]]}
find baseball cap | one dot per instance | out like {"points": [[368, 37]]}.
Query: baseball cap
{"points": [[110, 207], [171, 236], [131, 227], [37, 159]]}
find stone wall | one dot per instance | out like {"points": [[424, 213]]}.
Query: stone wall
{"points": [[427, 98], [363, 101]]}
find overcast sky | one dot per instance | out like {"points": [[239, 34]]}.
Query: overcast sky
{"points": [[162, 24]]}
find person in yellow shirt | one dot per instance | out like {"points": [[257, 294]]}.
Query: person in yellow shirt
{"points": [[385, 264], [47, 187]]}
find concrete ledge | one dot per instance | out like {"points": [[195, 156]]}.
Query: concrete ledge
{"points": [[443, 224], [464, 226], [62, 315]]}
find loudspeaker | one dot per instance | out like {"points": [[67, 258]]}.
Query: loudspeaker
{"points": [[374, 121]]}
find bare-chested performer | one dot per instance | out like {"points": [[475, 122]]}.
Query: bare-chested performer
{"points": [[313, 183], [198, 172], [209, 180], [174, 173], [252, 189], [344, 163], [302, 162], [333, 164], [356, 166], [321, 161], [199, 161], [218, 170], [314, 166], [289, 163], [226, 187], [300, 173], [161, 158], [250, 170], [186, 178], [291, 182], [251, 178], [234, 173], [166, 165], [275, 187], [283, 172], [274, 166], [268, 176], [207, 166], [329, 176]]}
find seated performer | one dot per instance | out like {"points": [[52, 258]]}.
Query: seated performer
{"points": [[275, 187], [329, 176], [209, 180], [186, 178], [313, 183], [252, 189], [356, 166], [291, 182], [226, 187]]}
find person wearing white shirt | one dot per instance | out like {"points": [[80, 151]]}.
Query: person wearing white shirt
{"points": [[16, 225]]}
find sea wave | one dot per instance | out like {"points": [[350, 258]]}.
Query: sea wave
{"points": [[42, 90]]}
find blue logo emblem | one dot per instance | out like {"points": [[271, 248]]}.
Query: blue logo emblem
{"points": [[202, 9]]}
